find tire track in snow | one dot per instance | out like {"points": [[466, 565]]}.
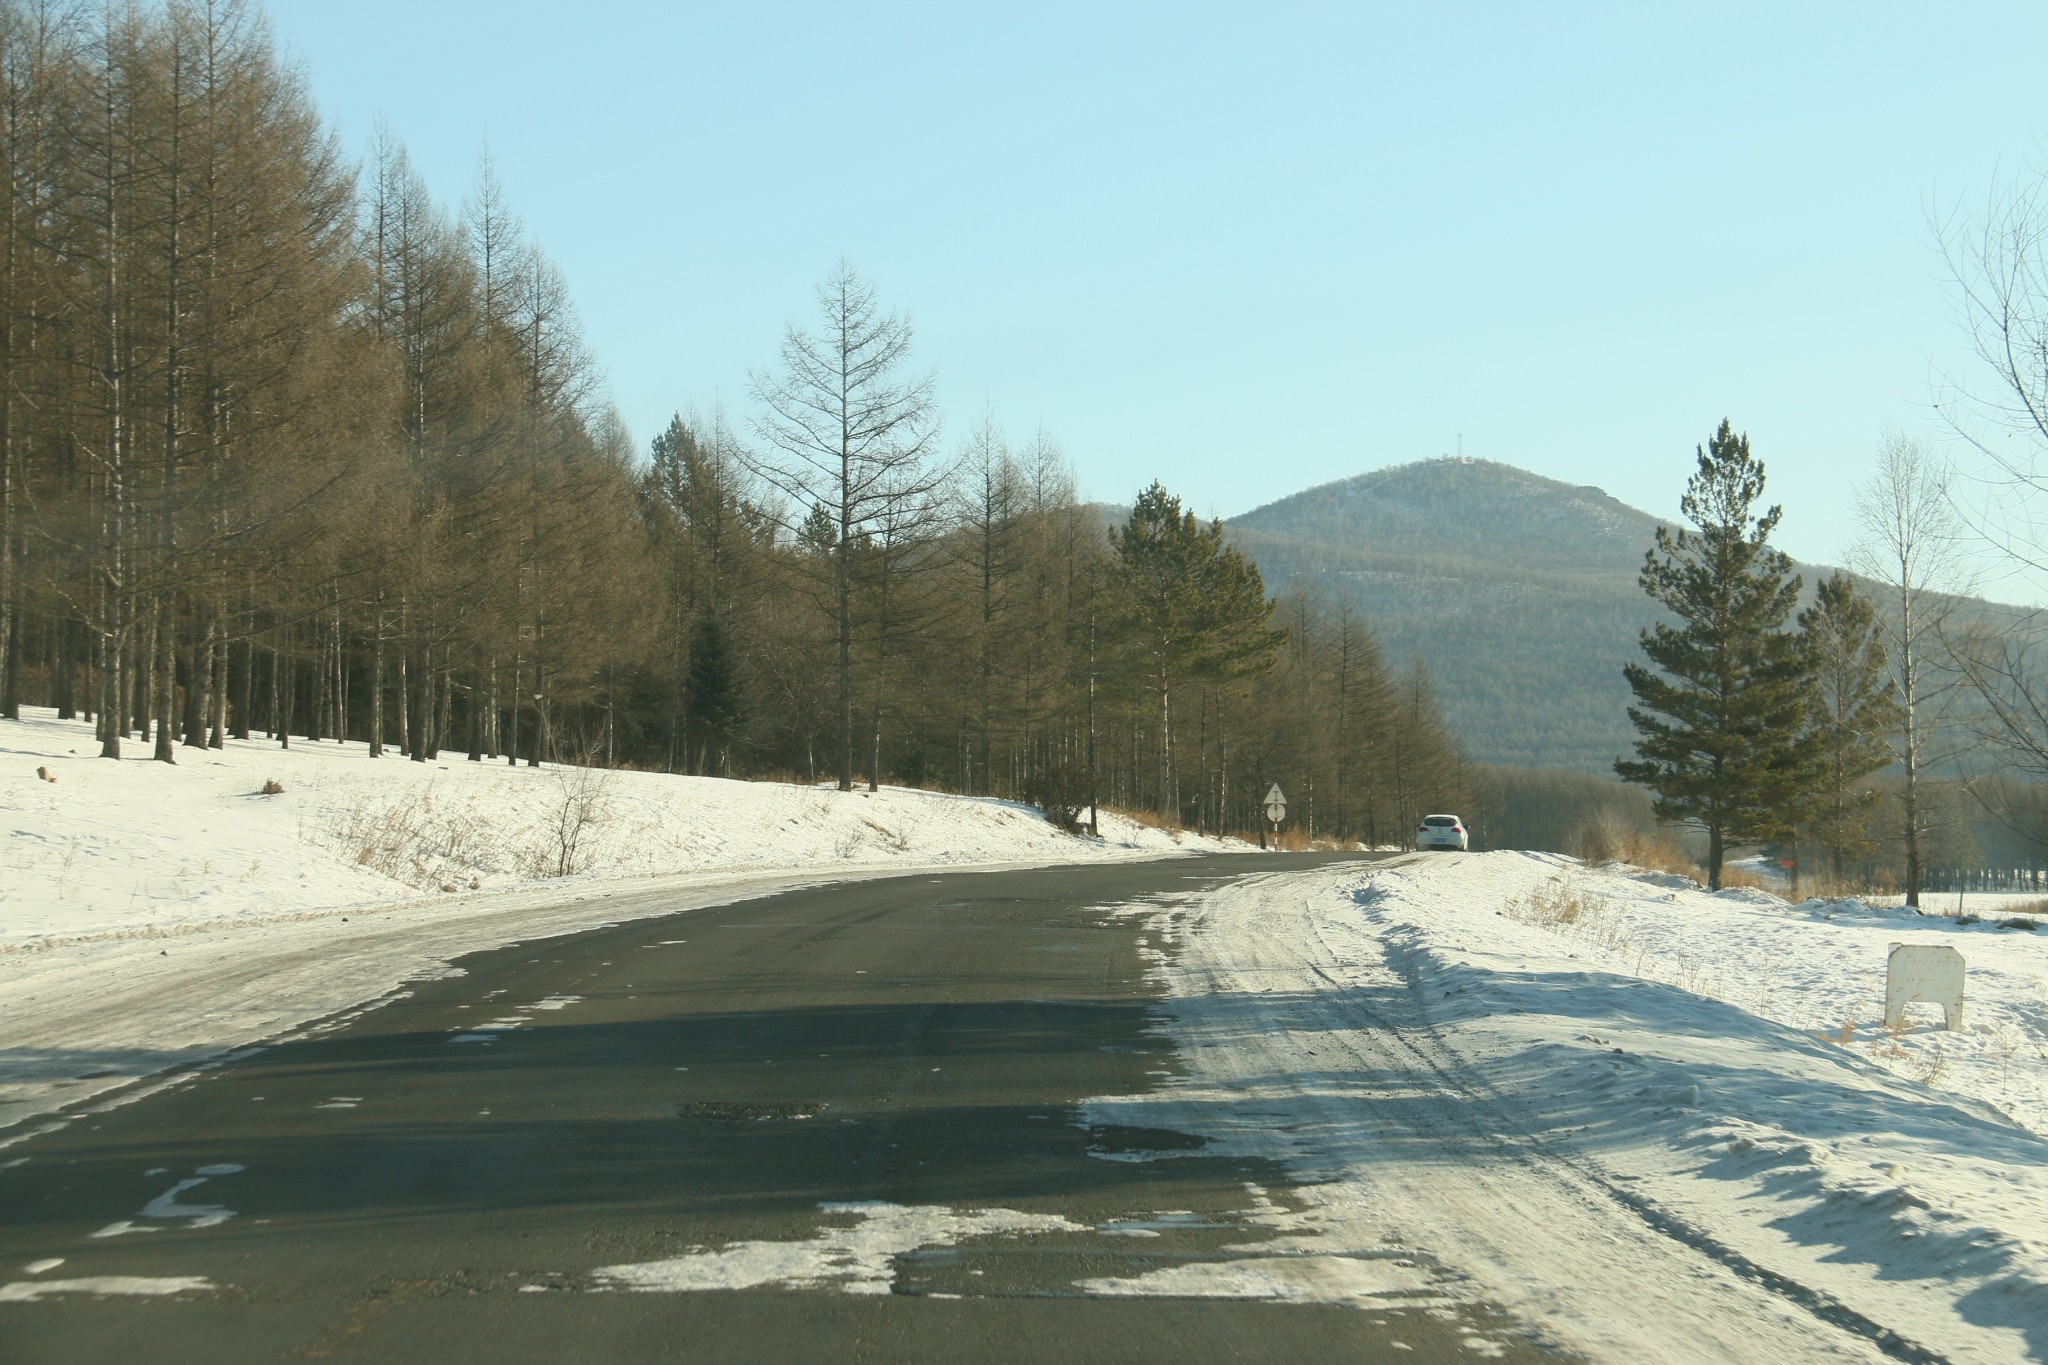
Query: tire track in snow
{"points": [[1415, 1140], [1550, 1160]]}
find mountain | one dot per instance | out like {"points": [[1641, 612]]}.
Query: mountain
{"points": [[1518, 592]]}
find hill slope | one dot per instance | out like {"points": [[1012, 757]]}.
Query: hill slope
{"points": [[1518, 591]]}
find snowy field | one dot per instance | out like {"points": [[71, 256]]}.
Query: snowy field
{"points": [[1665, 1125], [152, 916]]}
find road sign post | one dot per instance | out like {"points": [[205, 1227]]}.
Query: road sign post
{"points": [[1276, 811]]}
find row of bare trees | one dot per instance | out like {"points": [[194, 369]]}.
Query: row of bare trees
{"points": [[282, 442], [286, 445]]}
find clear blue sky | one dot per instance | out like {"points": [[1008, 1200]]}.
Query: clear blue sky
{"points": [[1249, 249]]}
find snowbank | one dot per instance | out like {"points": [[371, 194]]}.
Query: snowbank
{"points": [[1658, 1123], [1817, 966], [138, 846]]}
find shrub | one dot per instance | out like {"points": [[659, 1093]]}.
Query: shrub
{"points": [[1061, 791], [271, 787]]}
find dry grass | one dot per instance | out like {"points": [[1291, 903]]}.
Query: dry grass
{"points": [[1558, 903], [1658, 851], [1925, 1067], [1822, 886], [1603, 841], [1734, 878], [1150, 819], [411, 839], [1930, 1069]]}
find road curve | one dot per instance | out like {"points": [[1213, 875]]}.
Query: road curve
{"points": [[839, 1123]]}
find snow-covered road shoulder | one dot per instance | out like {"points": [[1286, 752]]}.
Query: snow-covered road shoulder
{"points": [[1593, 1115]]}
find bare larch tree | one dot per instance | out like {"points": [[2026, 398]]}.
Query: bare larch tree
{"points": [[847, 433]]}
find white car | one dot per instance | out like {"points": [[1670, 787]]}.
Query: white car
{"points": [[1441, 831]]}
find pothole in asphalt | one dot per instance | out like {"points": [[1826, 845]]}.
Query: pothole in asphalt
{"points": [[722, 1112]]}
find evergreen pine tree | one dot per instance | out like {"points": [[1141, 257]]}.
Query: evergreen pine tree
{"points": [[715, 708], [1856, 709], [1724, 716], [1194, 605]]}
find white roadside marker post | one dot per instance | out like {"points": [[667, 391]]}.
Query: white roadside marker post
{"points": [[1929, 972], [1276, 811]]}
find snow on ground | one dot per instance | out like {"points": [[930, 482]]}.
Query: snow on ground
{"points": [[152, 916], [1626, 1127], [1658, 1123], [135, 846]]}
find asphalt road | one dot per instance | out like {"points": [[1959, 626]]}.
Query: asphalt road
{"points": [[459, 1174]]}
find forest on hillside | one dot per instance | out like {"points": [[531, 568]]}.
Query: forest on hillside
{"points": [[288, 445]]}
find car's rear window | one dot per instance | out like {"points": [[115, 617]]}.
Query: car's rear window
{"points": [[1440, 820]]}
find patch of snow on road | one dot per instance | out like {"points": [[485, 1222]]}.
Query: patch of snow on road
{"points": [[27, 1291], [857, 1259], [165, 1207]]}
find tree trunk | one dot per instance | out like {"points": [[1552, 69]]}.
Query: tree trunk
{"points": [[444, 688], [198, 687], [512, 747], [1909, 667], [1166, 811], [218, 739], [476, 713], [164, 688], [64, 682], [377, 679], [245, 714], [845, 576], [414, 687], [283, 686]]}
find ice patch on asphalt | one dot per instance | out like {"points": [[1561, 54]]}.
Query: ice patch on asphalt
{"points": [[165, 1207], [856, 1260], [27, 1291]]}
